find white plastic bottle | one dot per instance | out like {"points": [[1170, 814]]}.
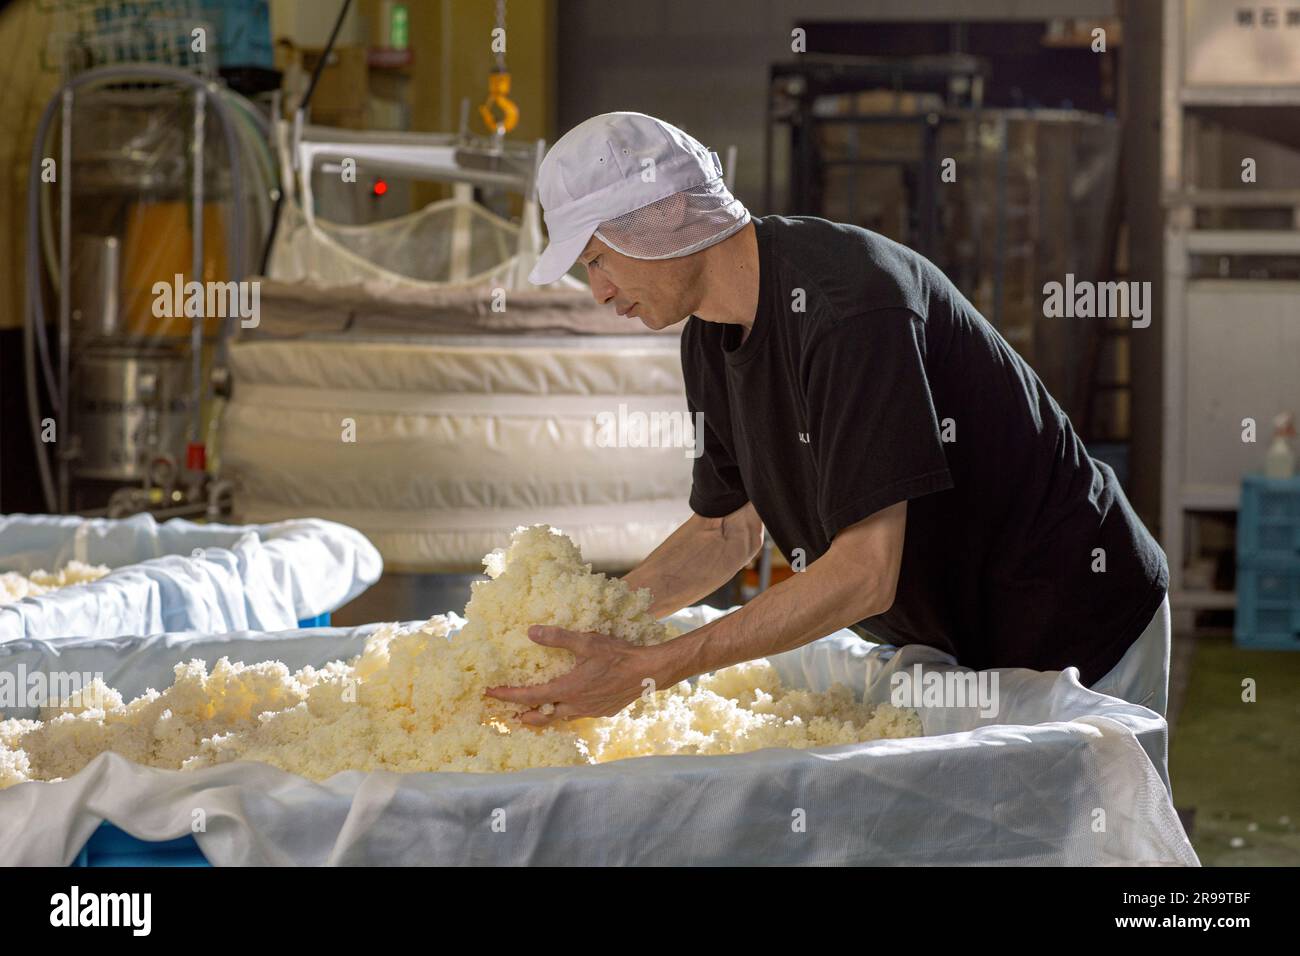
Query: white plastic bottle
{"points": [[1279, 462]]}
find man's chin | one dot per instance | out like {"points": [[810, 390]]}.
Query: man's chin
{"points": [[655, 324]]}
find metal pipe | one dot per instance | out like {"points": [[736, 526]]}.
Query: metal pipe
{"points": [[64, 421], [929, 187], [196, 246], [217, 490]]}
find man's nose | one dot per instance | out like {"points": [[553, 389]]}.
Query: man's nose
{"points": [[602, 290]]}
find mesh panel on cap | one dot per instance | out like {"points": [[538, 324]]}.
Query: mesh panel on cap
{"points": [[676, 225]]}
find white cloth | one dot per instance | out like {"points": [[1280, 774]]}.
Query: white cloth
{"points": [[1142, 674], [1025, 789], [180, 575]]}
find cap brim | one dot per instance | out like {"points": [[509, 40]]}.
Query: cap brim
{"points": [[558, 258]]}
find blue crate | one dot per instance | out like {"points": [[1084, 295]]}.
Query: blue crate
{"points": [[1268, 524], [320, 620], [113, 846], [1268, 604], [244, 29]]}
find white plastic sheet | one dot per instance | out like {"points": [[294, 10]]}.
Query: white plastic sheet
{"points": [[180, 575], [1065, 776]]}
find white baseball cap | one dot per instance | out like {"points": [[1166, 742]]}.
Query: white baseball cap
{"points": [[617, 164]]}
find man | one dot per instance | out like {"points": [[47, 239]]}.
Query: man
{"points": [[859, 407]]}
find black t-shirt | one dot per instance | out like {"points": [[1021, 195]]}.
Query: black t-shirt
{"points": [[867, 379]]}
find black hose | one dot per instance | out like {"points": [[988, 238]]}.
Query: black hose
{"points": [[302, 107]]}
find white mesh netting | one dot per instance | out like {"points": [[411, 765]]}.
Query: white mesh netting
{"points": [[452, 243], [676, 225]]}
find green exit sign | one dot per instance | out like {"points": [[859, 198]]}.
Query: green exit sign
{"points": [[399, 27]]}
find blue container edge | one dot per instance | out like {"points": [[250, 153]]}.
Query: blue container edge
{"points": [[110, 845]]}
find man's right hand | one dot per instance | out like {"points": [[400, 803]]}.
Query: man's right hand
{"points": [[699, 557]]}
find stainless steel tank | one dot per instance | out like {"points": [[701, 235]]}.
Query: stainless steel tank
{"points": [[96, 276], [130, 405]]}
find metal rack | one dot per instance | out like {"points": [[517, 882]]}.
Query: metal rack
{"points": [[121, 379], [866, 138], [794, 90], [1231, 344]]}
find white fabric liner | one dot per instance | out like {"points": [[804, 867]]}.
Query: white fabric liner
{"points": [[1024, 790], [262, 577], [459, 439]]}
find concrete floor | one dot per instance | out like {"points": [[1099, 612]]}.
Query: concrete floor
{"points": [[1235, 766]]}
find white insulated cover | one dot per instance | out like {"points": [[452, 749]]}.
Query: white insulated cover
{"points": [[437, 447]]}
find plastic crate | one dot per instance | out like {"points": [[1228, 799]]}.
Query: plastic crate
{"points": [[1268, 524], [1268, 604], [244, 28], [113, 846], [320, 620]]}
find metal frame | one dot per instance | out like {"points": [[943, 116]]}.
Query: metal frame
{"points": [[1181, 199], [804, 80], [463, 160], [56, 482], [793, 89]]}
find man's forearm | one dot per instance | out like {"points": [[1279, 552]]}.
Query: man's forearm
{"points": [[826, 597], [699, 557]]}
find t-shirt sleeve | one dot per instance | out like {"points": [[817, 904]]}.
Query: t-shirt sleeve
{"points": [[871, 416], [716, 486]]}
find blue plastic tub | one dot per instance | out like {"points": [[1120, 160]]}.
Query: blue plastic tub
{"points": [[113, 846]]}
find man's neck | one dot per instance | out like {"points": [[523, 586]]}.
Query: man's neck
{"points": [[730, 276]]}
